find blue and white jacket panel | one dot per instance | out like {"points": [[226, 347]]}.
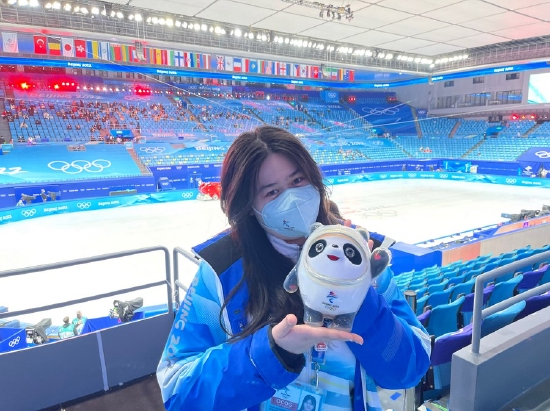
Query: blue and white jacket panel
{"points": [[200, 370]]}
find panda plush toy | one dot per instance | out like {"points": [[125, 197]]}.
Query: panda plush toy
{"points": [[334, 273]]}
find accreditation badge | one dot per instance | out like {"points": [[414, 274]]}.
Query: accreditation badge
{"points": [[294, 397]]}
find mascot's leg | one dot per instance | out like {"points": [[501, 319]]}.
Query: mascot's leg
{"points": [[343, 322], [312, 317]]}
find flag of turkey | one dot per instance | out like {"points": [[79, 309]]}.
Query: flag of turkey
{"points": [[40, 45]]}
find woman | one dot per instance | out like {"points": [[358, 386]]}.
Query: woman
{"points": [[308, 404], [238, 341]]}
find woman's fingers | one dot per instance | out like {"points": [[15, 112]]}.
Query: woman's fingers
{"points": [[282, 329]]}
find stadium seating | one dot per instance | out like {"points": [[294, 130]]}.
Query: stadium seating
{"points": [[437, 126], [471, 128]]}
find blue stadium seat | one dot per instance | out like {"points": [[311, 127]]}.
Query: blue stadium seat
{"points": [[504, 290], [444, 318]]}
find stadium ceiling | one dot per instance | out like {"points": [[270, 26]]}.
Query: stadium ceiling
{"points": [[421, 36]]}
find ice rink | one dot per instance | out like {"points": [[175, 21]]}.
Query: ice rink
{"points": [[406, 210]]}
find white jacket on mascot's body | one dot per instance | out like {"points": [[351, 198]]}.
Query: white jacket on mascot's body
{"points": [[334, 273]]}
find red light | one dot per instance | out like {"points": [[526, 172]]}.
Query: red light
{"points": [[514, 117], [533, 117], [56, 86], [24, 86]]}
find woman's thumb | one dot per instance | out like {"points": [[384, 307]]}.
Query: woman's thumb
{"points": [[284, 327]]}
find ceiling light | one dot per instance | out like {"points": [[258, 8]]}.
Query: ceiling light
{"points": [[287, 40], [67, 7], [169, 22], [155, 20], [389, 56], [264, 37], [197, 27], [12, 2], [104, 11], [95, 10], [34, 3], [238, 32], [48, 5], [113, 13], [56, 5], [23, 2], [184, 24], [381, 55], [84, 10], [211, 29], [76, 9], [149, 20], [120, 15], [204, 27], [178, 23], [131, 17], [162, 21]]}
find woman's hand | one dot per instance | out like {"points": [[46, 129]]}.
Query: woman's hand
{"points": [[298, 339], [348, 223]]}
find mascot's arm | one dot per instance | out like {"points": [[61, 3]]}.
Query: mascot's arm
{"points": [[394, 352]]}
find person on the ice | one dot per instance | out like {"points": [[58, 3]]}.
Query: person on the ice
{"points": [[238, 341]]}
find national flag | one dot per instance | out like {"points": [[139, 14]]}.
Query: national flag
{"points": [[165, 58], [199, 60], [228, 63], [303, 70], [186, 59], [253, 66], [171, 60], [349, 75], [104, 50], [192, 60], [10, 43], [220, 62], [340, 74], [284, 69], [158, 56], [314, 72], [80, 49], [237, 65], [124, 52], [40, 45], [267, 67], [54, 46], [92, 47], [245, 65], [178, 59], [295, 70], [67, 46], [207, 61], [116, 52], [334, 73], [132, 54]]}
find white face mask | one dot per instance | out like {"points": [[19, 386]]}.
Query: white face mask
{"points": [[292, 213]]}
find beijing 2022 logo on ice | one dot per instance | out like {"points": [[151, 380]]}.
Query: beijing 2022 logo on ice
{"points": [[78, 166]]}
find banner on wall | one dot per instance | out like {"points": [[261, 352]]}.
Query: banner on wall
{"points": [[330, 96]]}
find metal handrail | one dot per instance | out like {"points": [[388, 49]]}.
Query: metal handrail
{"points": [[194, 258], [479, 313], [87, 260]]}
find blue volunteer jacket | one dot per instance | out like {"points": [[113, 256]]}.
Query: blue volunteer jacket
{"points": [[200, 370]]}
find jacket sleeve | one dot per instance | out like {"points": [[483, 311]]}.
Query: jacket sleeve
{"points": [[396, 349], [200, 370]]}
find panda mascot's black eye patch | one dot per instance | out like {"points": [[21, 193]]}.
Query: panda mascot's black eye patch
{"points": [[352, 254], [317, 248]]}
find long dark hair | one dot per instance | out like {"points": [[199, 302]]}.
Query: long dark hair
{"points": [[265, 268], [309, 398]]}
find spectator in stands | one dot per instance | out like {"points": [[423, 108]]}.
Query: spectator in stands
{"points": [[66, 330], [69, 127], [37, 122], [24, 125], [78, 127], [268, 172], [79, 322]]}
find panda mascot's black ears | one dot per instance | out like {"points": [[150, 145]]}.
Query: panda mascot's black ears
{"points": [[380, 257], [379, 260]]}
